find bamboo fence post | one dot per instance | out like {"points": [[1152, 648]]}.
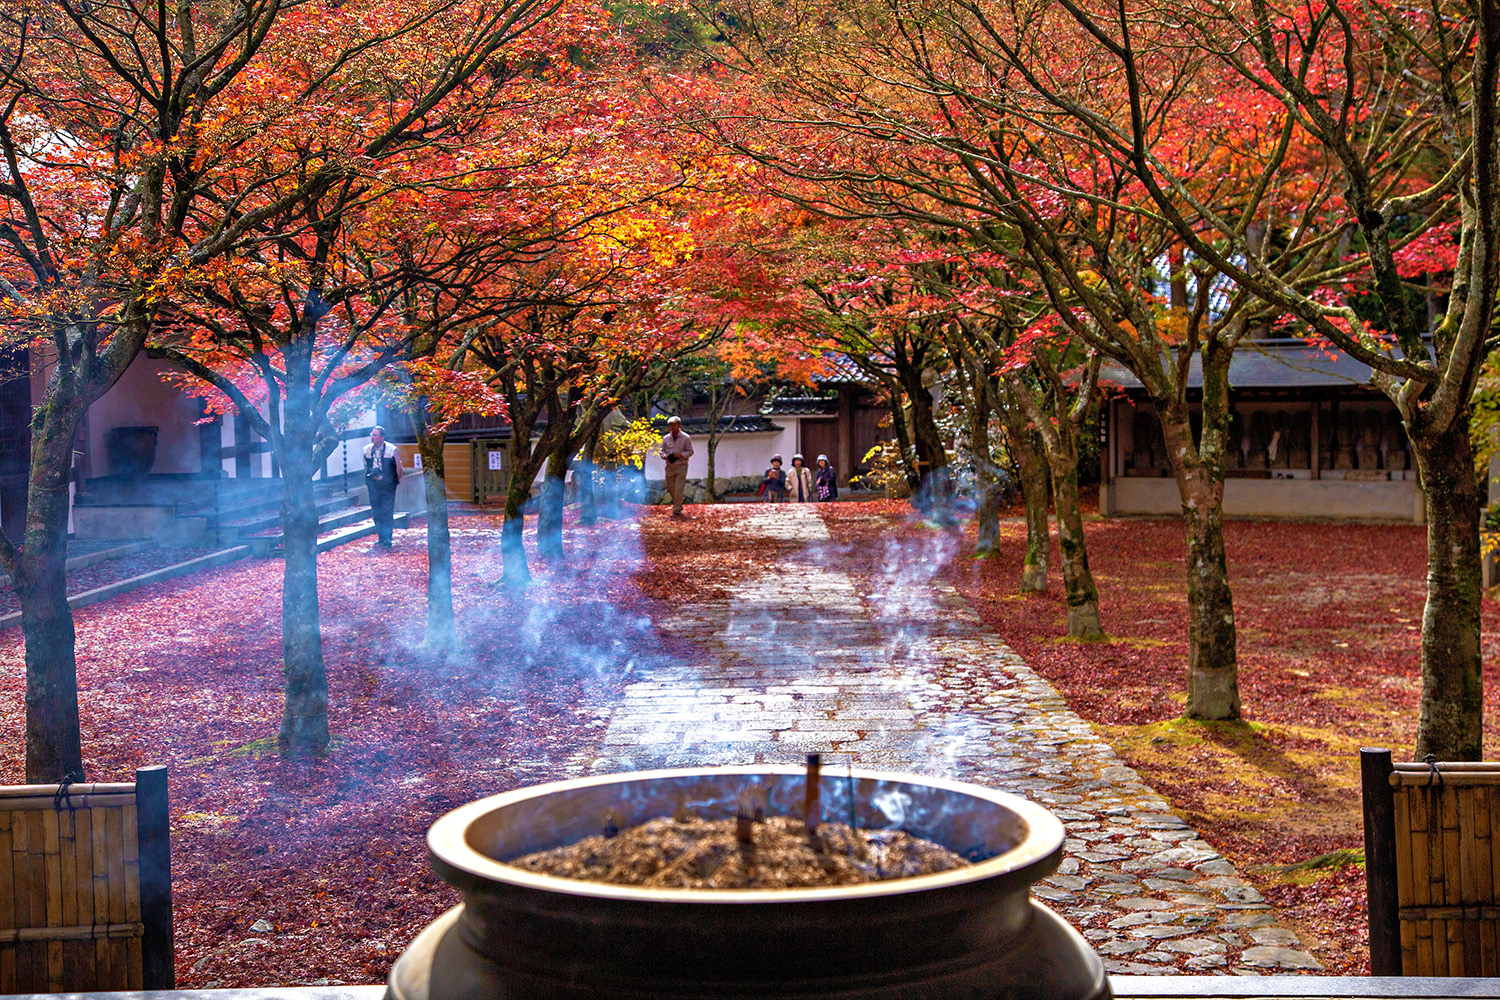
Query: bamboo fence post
{"points": [[156, 878], [1380, 861]]}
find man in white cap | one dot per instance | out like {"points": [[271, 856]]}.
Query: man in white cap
{"points": [[676, 449]]}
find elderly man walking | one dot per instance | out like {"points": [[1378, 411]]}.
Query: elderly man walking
{"points": [[382, 476], [676, 449]]}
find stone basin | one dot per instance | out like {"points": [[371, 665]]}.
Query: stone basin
{"points": [[972, 933]]}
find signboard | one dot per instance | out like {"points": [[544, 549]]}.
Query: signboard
{"points": [[416, 462], [496, 460]]}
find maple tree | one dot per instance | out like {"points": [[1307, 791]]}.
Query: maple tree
{"points": [[313, 311], [1035, 378], [114, 119], [635, 293], [885, 310], [923, 112], [918, 308], [1393, 108], [1024, 443], [561, 368], [560, 145]]}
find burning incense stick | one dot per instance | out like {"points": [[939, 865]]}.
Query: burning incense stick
{"points": [[853, 817], [811, 808], [744, 822], [750, 809]]}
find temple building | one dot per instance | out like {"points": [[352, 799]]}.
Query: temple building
{"points": [[1308, 437]]}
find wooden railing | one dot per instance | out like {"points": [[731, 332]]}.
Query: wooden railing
{"points": [[85, 886]]}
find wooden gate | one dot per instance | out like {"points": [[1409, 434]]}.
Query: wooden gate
{"points": [[85, 887], [490, 462], [821, 437], [1432, 864]]}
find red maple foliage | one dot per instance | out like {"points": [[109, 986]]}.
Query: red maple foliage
{"points": [[1329, 620], [330, 850]]}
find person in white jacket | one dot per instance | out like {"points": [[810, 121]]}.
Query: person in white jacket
{"points": [[799, 482]]}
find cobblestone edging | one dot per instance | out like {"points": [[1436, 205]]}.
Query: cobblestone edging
{"points": [[897, 670]]}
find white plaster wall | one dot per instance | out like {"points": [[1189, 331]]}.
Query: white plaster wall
{"points": [[141, 398], [1385, 501], [737, 454]]}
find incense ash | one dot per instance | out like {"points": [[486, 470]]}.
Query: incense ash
{"points": [[688, 852]]}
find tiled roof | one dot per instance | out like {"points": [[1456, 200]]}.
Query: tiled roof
{"points": [[753, 423], [1275, 364], [841, 368], [800, 406]]}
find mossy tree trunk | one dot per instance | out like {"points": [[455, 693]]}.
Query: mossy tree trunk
{"points": [[1058, 415], [1451, 724], [1198, 468], [441, 633]]}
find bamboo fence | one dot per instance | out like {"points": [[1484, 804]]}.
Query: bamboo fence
{"points": [[86, 872], [1432, 863]]}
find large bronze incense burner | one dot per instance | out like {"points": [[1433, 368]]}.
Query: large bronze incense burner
{"points": [[968, 934]]}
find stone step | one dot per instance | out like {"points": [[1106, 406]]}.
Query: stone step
{"points": [[237, 498], [243, 526], [361, 530], [345, 526]]}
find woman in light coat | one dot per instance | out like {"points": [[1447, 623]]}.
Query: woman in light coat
{"points": [[799, 482]]}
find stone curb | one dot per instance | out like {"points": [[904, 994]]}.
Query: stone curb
{"points": [[155, 576], [89, 558]]}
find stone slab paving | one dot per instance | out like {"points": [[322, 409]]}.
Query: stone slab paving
{"points": [[896, 669]]}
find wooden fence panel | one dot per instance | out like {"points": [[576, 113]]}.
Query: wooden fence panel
{"points": [[71, 867], [1448, 868]]}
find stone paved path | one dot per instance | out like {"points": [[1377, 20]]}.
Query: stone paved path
{"points": [[898, 670]]}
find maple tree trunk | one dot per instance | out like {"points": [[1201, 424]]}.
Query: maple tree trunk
{"points": [[1078, 581], [549, 519], [53, 742], [1451, 722], [986, 481], [934, 495], [1026, 446], [709, 493], [588, 500], [904, 444], [441, 633], [514, 571], [1213, 667], [304, 718]]}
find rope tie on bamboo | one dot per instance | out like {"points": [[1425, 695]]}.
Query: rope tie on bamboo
{"points": [[1434, 776], [61, 798]]}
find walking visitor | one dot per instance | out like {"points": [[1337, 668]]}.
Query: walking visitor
{"points": [[773, 483], [799, 484], [676, 449], [382, 476], [828, 480]]}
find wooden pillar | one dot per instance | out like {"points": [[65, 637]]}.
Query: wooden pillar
{"points": [[844, 459], [1107, 438], [155, 848], [1317, 443], [1380, 861]]}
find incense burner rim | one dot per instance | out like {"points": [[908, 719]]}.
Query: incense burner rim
{"points": [[448, 842]]}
